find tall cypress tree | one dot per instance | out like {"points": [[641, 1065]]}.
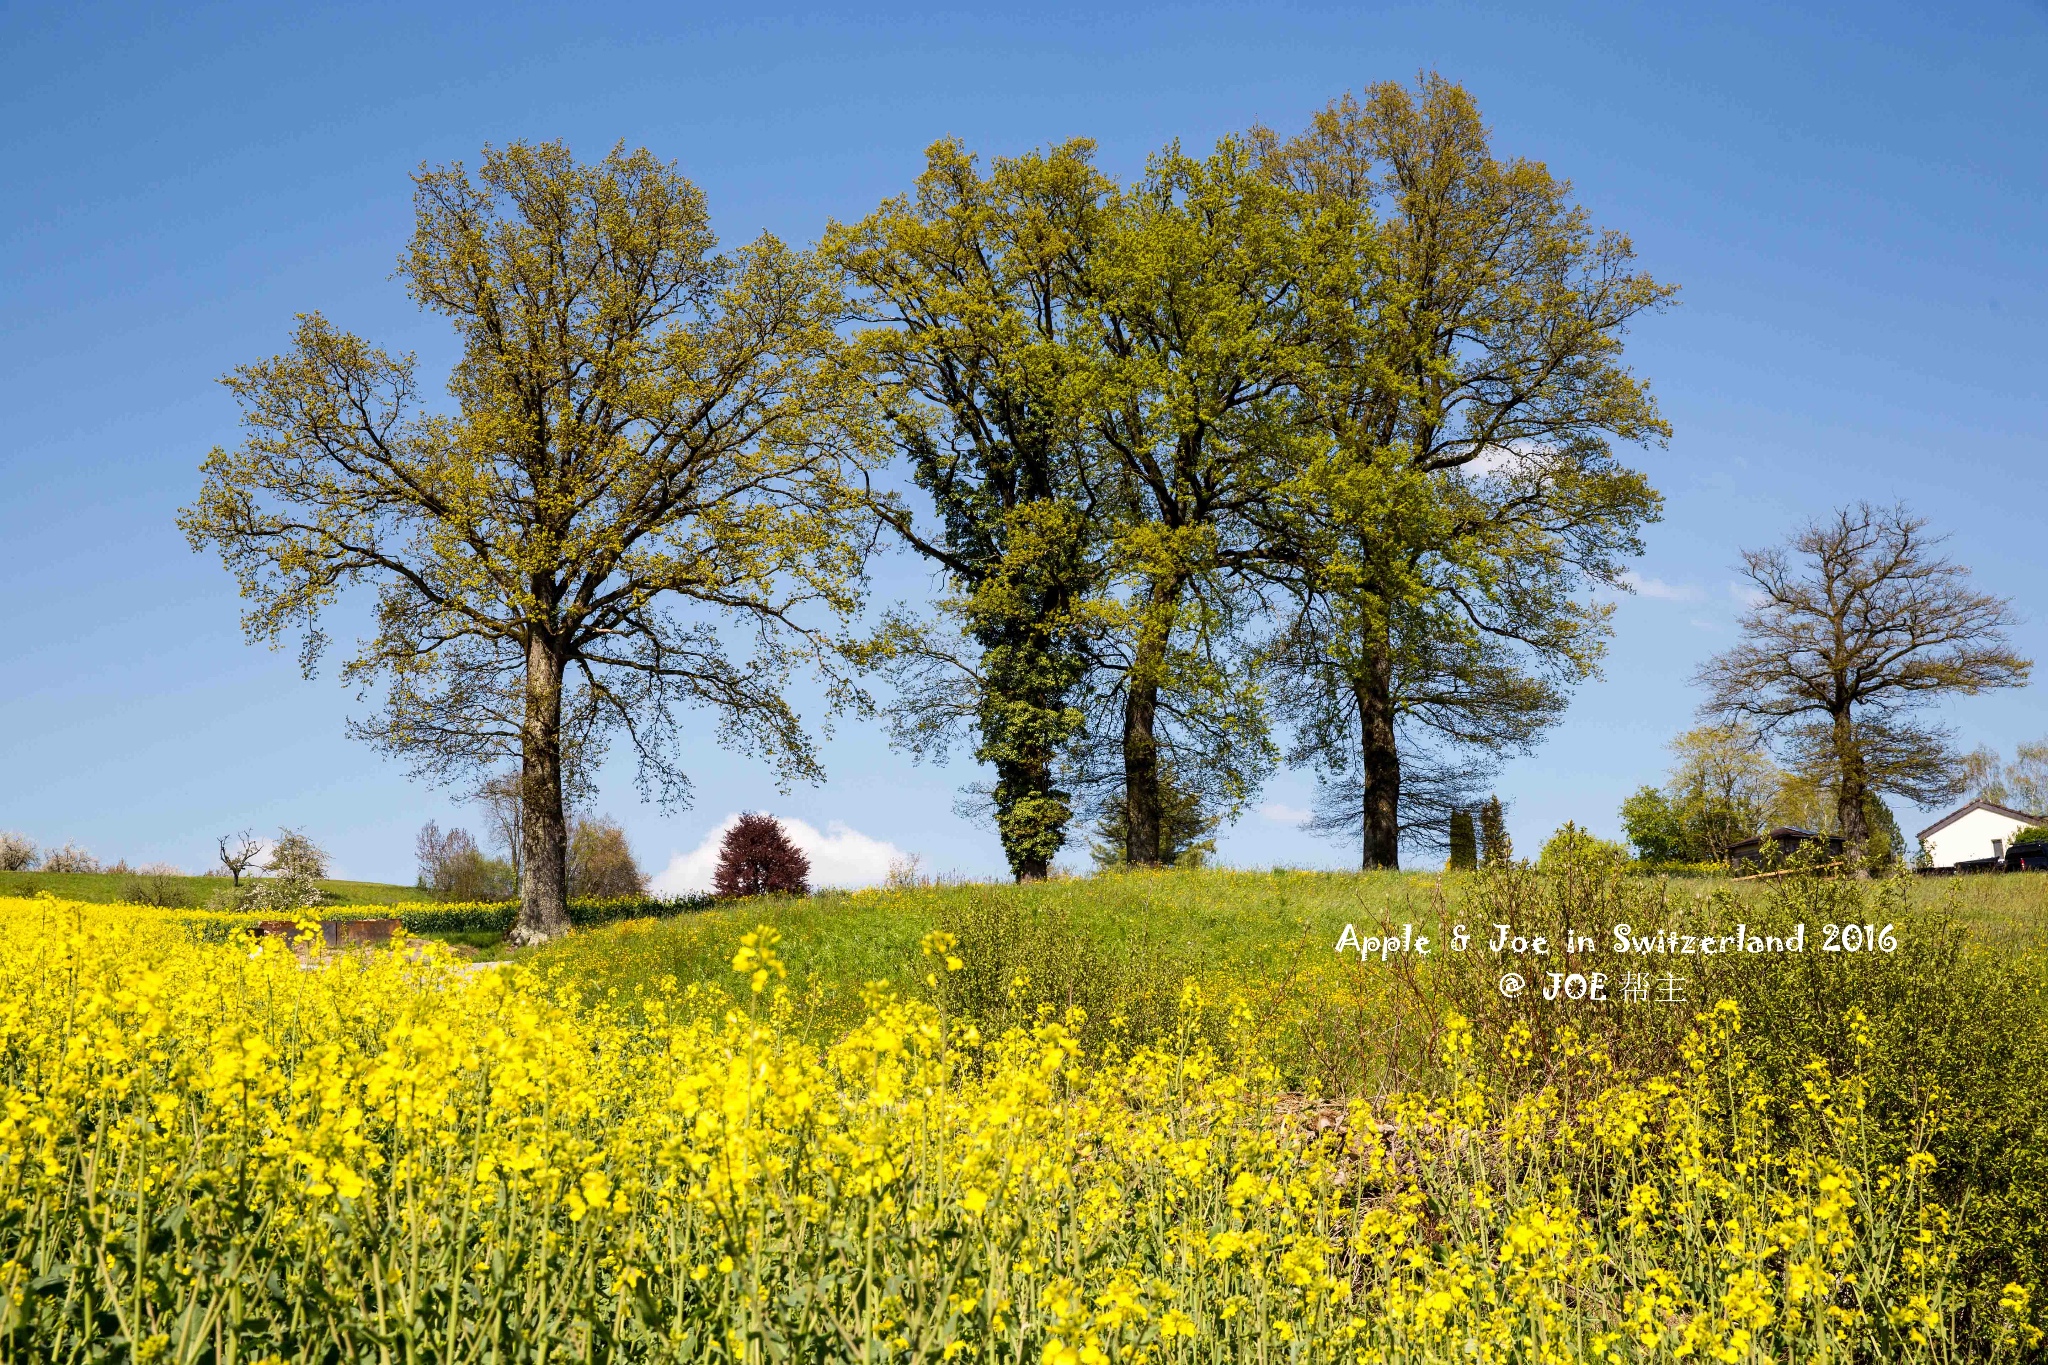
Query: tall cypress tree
{"points": [[1464, 842]]}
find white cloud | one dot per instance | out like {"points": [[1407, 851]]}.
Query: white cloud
{"points": [[1493, 460], [1748, 594], [1659, 589], [1280, 813], [840, 856]]}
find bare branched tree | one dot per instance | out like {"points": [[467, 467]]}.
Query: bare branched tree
{"points": [[238, 851], [1859, 624]]}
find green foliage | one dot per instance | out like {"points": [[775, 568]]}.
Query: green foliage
{"points": [[1654, 828], [1723, 789], [1495, 848], [1413, 553], [1886, 849], [1187, 831], [644, 441], [453, 868], [1464, 842], [1570, 845], [973, 283], [601, 863], [434, 919]]}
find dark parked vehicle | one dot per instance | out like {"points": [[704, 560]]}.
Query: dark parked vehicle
{"points": [[2028, 857]]}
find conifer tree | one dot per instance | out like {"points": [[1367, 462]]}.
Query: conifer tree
{"points": [[1464, 842], [1495, 848]]}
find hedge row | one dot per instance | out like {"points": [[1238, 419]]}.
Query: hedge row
{"points": [[457, 917]]}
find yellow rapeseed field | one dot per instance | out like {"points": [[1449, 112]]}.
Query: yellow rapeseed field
{"points": [[233, 1152]]}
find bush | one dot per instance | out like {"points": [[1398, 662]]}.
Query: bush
{"points": [[1572, 845], [757, 859], [601, 864], [157, 884], [17, 852], [454, 868], [70, 858], [1464, 842]]}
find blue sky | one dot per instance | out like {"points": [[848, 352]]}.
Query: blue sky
{"points": [[1854, 201]]}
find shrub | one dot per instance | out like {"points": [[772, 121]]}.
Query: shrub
{"points": [[454, 868], [601, 864], [17, 852], [1573, 845], [70, 858], [1495, 848], [157, 884], [757, 859]]}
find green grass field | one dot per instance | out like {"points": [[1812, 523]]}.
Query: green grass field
{"points": [[1237, 923], [114, 888]]}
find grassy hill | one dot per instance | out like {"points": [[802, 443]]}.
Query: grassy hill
{"points": [[1237, 923], [1955, 1016]]}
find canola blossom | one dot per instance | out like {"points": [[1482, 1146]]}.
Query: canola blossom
{"points": [[234, 1152]]}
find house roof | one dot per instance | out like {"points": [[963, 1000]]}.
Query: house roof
{"points": [[1980, 804]]}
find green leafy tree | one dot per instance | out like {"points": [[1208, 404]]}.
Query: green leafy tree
{"points": [[1859, 624], [601, 862], [1572, 846], [1721, 790], [970, 287], [1655, 827], [1199, 294], [645, 450], [1467, 390]]}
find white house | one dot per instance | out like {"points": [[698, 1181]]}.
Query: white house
{"points": [[1982, 829]]}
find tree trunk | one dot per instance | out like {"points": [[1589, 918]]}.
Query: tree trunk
{"points": [[1141, 774], [544, 871], [1379, 758], [1143, 806], [1031, 817], [1851, 783]]}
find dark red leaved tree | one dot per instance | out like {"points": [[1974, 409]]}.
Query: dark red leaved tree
{"points": [[757, 858]]}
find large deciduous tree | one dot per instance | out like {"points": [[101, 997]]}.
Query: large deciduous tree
{"points": [[1467, 390], [1858, 625], [645, 445], [970, 286], [1199, 294]]}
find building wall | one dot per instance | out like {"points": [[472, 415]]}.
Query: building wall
{"points": [[1971, 836]]}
